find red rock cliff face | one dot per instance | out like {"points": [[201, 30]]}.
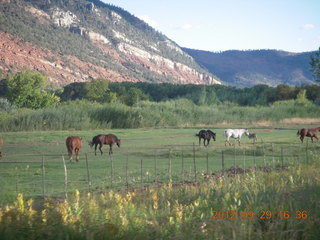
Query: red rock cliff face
{"points": [[16, 55], [132, 57]]}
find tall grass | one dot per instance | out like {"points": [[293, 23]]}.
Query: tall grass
{"points": [[82, 115], [291, 199]]}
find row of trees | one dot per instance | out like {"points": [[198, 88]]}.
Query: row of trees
{"points": [[28, 89]]}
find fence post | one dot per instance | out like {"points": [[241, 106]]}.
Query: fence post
{"points": [[155, 167], [111, 169], [207, 163], [65, 177], [169, 167], [17, 180], [264, 154], [234, 159], [88, 174], [282, 157], [182, 166], [43, 179], [244, 161], [127, 183], [194, 163], [299, 157], [254, 158], [273, 156], [307, 161], [141, 167], [222, 161]]}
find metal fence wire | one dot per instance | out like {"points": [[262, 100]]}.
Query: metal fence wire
{"points": [[55, 176]]}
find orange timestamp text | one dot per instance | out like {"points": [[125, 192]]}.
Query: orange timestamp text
{"points": [[262, 214]]}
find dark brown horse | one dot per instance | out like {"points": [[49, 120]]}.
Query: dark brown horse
{"points": [[101, 139], [308, 132], [74, 144], [206, 135]]}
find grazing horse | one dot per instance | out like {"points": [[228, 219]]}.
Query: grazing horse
{"points": [[74, 144], [101, 139], [252, 136], [206, 135], [1, 145], [308, 132], [234, 133]]}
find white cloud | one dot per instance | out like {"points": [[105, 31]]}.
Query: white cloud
{"points": [[308, 26], [148, 20]]}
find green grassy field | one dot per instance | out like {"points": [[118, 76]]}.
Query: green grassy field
{"points": [[146, 156]]}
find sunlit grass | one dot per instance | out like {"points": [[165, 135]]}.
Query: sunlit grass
{"points": [[289, 197]]}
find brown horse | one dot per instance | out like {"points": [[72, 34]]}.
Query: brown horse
{"points": [[108, 139], [308, 132], [1, 144], [74, 144]]}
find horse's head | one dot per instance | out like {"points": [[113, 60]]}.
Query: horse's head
{"points": [[298, 133], [118, 142], [214, 135], [246, 132], [90, 143]]}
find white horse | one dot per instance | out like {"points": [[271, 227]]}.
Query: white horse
{"points": [[234, 133]]}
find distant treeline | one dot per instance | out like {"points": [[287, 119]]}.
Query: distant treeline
{"points": [[131, 93]]}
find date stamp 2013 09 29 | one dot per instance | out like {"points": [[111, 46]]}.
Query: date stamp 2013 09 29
{"points": [[262, 214]]}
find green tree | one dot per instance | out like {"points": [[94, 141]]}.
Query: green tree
{"points": [[315, 65], [73, 91], [135, 95], [27, 89], [97, 90]]}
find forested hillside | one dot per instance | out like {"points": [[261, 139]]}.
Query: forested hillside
{"points": [[77, 41], [249, 68]]}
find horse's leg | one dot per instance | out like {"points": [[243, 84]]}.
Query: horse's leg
{"points": [[316, 137], [70, 154], [110, 149], [227, 141], [77, 154], [301, 138], [95, 149], [100, 146]]}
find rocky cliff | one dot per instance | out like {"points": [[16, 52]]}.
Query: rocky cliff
{"points": [[78, 40]]}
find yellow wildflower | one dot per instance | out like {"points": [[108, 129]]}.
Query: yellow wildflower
{"points": [[20, 203], [44, 215], [155, 200], [179, 213]]}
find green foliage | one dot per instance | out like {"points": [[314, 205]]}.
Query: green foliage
{"points": [[135, 95], [26, 89], [181, 112], [315, 65], [97, 90], [222, 208]]}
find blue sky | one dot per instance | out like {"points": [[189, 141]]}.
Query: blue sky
{"points": [[219, 25]]}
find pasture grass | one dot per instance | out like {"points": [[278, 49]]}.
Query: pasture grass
{"points": [[166, 153], [256, 205]]}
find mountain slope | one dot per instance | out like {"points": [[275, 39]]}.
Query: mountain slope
{"points": [[248, 68], [80, 40]]}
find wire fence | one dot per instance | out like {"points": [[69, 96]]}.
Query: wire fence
{"points": [[53, 175]]}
